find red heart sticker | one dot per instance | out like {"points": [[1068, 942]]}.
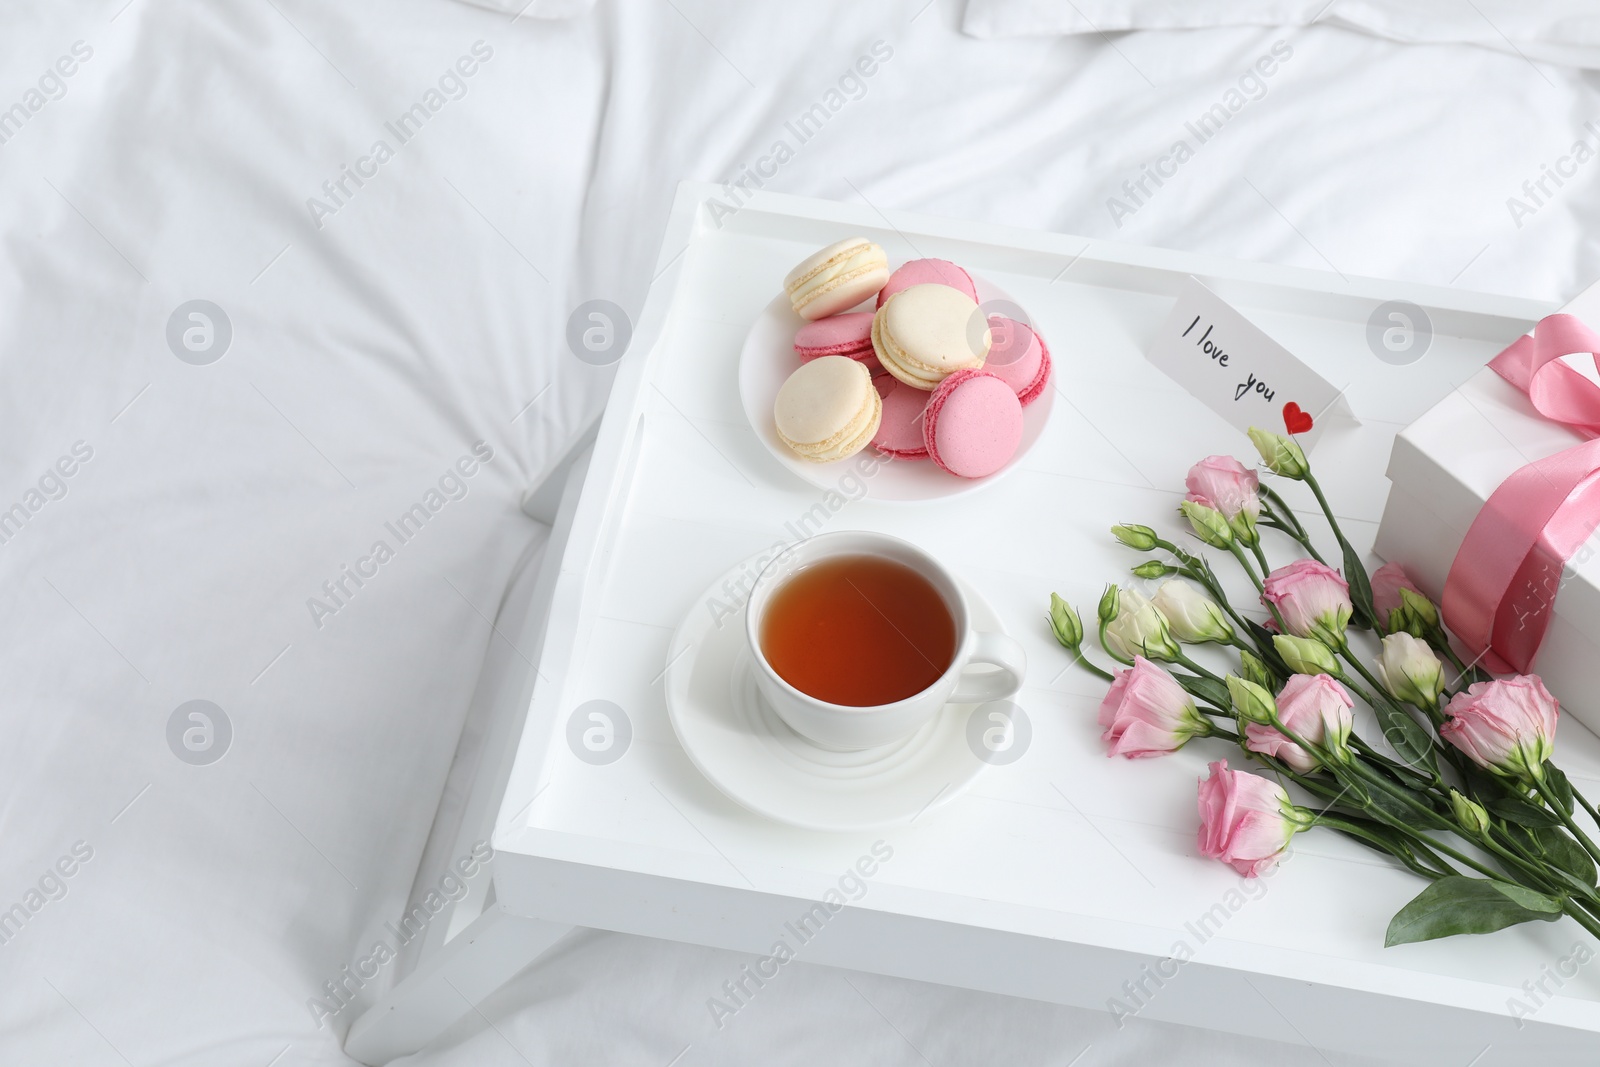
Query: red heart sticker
{"points": [[1295, 418]]}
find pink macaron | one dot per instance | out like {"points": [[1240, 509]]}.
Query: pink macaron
{"points": [[1019, 357], [900, 430], [849, 334], [973, 424], [925, 271]]}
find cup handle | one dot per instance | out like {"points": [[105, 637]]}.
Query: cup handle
{"points": [[994, 650]]}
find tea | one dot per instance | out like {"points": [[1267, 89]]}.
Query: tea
{"points": [[858, 630]]}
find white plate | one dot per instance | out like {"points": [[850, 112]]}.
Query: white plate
{"points": [[768, 359], [745, 750]]}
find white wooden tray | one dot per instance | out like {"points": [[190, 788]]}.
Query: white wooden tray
{"points": [[1063, 875]]}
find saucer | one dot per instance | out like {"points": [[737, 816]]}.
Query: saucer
{"points": [[738, 742]]}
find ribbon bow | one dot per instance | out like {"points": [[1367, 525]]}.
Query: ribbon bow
{"points": [[1504, 578]]}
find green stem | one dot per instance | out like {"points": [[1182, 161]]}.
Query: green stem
{"points": [[1441, 643], [1466, 673], [1429, 816], [1588, 807], [1087, 664], [1282, 511], [1537, 872], [1286, 521], [1567, 820], [1249, 569], [1261, 556], [1185, 661], [1393, 767], [1515, 852], [1105, 647], [1244, 561], [1327, 511], [1361, 833], [1372, 701], [1583, 919], [1361, 620], [1361, 669]]}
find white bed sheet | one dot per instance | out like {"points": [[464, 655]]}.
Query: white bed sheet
{"points": [[428, 312]]}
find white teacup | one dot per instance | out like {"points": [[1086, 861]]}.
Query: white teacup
{"points": [[986, 666]]}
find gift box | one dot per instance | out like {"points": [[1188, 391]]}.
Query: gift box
{"points": [[1444, 468]]}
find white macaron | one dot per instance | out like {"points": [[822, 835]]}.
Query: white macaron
{"points": [[838, 277], [828, 409]]}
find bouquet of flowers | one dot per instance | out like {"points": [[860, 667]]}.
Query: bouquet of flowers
{"points": [[1463, 791]]}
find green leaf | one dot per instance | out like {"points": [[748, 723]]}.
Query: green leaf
{"points": [[1267, 650], [1555, 779], [1355, 573], [1523, 838], [1380, 800], [1461, 905], [1566, 853], [1521, 812], [1207, 689], [1411, 742]]}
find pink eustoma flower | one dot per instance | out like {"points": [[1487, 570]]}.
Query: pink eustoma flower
{"points": [[1507, 726], [1312, 599], [1225, 484], [1147, 713], [1245, 821], [1314, 708]]}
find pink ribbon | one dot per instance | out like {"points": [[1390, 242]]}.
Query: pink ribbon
{"points": [[1504, 578]]}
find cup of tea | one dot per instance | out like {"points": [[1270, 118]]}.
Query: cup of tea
{"points": [[860, 638]]}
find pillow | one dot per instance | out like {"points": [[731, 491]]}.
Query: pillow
{"points": [[1565, 32]]}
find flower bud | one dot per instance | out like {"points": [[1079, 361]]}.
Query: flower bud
{"points": [[1154, 568], [1192, 616], [1066, 624], [1139, 538], [1306, 655], [1386, 583], [1469, 814], [1138, 630], [1401, 621], [1244, 528], [1108, 604], [1253, 669], [1282, 455], [1253, 702], [1208, 524], [1410, 671], [1420, 608]]}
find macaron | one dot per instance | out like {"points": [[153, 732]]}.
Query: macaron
{"points": [[1019, 357], [923, 271], [837, 277], [827, 409], [849, 334], [900, 429], [973, 424], [927, 332]]}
